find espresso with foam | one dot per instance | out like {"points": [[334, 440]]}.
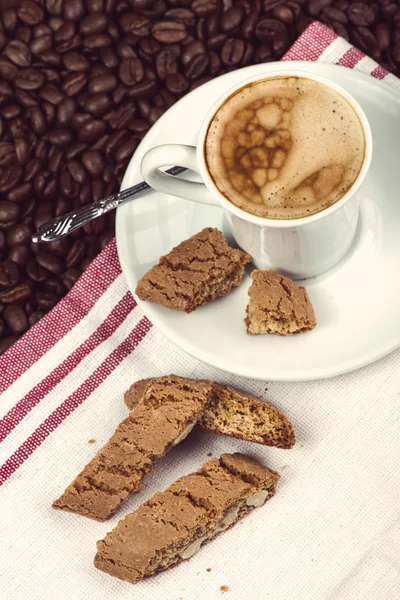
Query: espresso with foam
{"points": [[285, 147]]}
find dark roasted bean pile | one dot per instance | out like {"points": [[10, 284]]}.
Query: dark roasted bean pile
{"points": [[82, 81]]}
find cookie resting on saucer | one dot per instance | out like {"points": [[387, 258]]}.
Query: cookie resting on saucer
{"points": [[277, 305], [200, 269], [232, 413], [174, 524]]}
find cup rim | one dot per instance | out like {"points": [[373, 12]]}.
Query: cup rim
{"points": [[285, 223]]}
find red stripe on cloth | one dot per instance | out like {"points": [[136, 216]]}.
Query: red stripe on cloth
{"points": [[62, 318], [379, 72], [351, 58], [36, 394], [76, 399], [310, 45]]}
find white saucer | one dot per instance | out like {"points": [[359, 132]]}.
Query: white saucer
{"points": [[357, 303]]}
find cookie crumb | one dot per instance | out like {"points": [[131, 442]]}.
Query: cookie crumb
{"points": [[284, 467], [224, 588], [91, 441], [208, 570], [209, 453]]}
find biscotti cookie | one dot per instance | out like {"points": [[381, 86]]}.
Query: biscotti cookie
{"points": [[200, 269], [234, 413], [173, 525], [277, 305], [170, 409]]}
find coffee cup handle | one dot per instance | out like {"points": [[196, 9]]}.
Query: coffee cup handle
{"points": [[181, 156]]}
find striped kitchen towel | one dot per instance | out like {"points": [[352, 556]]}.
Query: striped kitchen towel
{"points": [[331, 533]]}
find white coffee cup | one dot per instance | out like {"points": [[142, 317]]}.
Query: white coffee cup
{"points": [[298, 248]]}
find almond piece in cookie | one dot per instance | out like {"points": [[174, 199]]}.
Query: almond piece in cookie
{"points": [[277, 305], [200, 269], [173, 525]]}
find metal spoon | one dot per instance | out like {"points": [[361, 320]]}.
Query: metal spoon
{"points": [[61, 226]]}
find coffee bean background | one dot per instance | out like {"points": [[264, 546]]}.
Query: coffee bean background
{"points": [[82, 81]]}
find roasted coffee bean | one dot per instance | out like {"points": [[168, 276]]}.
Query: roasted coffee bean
{"points": [[70, 277], [46, 300], [19, 234], [75, 61], [109, 58], [29, 79], [68, 185], [197, 67], [131, 71], [20, 193], [75, 254], [177, 83], [92, 130], [382, 34], [18, 53], [204, 8], [8, 70], [16, 319], [75, 149], [9, 274], [16, 294], [74, 83], [20, 254], [169, 32], [283, 13], [136, 24], [102, 40], [65, 111], [54, 285], [232, 52], [145, 89], [93, 162], [38, 120], [30, 12], [35, 317], [361, 14], [3, 330], [97, 104], [7, 342], [139, 127], [184, 16], [126, 150], [59, 137], [49, 261], [77, 171], [22, 150], [96, 22], [232, 18], [102, 83], [79, 120], [8, 210]]}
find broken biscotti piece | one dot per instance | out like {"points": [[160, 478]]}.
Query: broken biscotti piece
{"points": [[169, 410], [173, 525], [233, 413], [277, 305], [202, 268]]}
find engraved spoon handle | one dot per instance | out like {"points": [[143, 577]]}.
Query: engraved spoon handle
{"points": [[61, 226]]}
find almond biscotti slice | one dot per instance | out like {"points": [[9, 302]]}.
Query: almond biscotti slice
{"points": [[233, 413], [200, 269], [277, 305], [170, 409], [174, 524]]}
